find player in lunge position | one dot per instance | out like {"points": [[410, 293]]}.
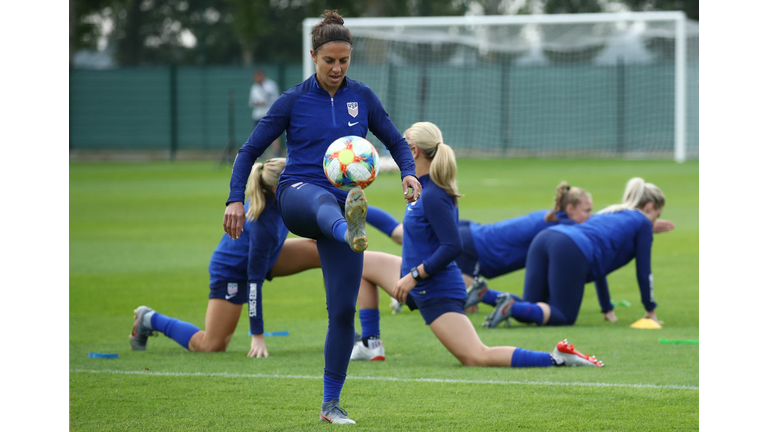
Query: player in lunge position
{"points": [[431, 242], [237, 270], [323, 108]]}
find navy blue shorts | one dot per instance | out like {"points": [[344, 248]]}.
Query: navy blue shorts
{"points": [[233, 292], [467, 261], [431, 309]]}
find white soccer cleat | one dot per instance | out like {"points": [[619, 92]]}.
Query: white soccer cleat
{"points": [[332, 413], [373, 352], [571, 357], [396, 306]]}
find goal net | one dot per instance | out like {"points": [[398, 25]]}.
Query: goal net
{"points": [[581, 85]]}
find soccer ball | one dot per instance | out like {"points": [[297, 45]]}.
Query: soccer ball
{"points": [[351, 161]]}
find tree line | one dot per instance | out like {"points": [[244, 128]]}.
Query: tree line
{"points": [[208, 32]]}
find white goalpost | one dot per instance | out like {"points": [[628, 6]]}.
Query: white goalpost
{"points": [[576, 85]]}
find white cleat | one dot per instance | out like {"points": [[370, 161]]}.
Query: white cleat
{"points": [[396, 306], [331, 412], [373, 352]]}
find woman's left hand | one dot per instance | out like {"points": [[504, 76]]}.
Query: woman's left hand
{"points": [[403, 287], [411, 182], [258, 347]]}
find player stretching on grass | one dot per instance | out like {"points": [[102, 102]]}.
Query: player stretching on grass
{"points": [[563, 258], [431, 242], [491, 250], [323, 108], [495, 249], [237, 272]]}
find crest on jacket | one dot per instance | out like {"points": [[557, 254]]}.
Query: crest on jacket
{"points": [[352, 108]]}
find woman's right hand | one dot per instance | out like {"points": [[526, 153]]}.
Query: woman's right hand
{"points": [[411, 188], [258, 347], [234, 219], [403, 287]]}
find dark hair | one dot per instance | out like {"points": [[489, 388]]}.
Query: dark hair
{"points": [[330, 29], [565, 195]]}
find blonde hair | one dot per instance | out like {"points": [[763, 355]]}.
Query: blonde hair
{"points": [[264, 176], [566, 194], [637, 194], [427, 137]]}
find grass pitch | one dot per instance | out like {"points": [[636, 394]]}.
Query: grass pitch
{"points": [[143, 233]]}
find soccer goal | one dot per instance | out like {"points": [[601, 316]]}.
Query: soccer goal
{"points": [[578, 85]]}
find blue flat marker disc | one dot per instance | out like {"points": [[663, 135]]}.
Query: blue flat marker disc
{"points": [[102, 355]]}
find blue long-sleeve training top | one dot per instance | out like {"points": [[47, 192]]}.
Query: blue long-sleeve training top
{"points": [[251, 257], [502, 247], [312, 120], [431, 236], [610, 241]]}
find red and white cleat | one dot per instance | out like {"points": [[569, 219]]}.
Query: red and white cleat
{"points": [[572, 357], [373, 352]]}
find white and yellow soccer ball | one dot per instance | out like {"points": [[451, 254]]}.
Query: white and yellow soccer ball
{"points": [[351, 161]]}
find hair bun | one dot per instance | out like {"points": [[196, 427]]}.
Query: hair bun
{"points": [[332, 17]]}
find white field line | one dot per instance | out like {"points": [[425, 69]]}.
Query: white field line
{"points": [[366, 378]]}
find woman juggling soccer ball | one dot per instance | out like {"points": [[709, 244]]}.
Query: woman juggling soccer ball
{"points": [[315, 113]]}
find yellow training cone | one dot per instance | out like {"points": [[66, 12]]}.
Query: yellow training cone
{"points": [[645, 323]]}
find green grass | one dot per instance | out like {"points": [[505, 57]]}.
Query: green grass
{"points": [[142, 233]]}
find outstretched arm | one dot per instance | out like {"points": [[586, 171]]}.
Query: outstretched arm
{"points": [[268, 129], [265, 238], [386, 223], [381, 125]]}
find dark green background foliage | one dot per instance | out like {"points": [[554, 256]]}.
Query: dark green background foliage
{"points": [[247, 31]]}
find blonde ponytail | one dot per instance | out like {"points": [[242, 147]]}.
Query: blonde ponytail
{"points": [[443, 169], [428, 138], [637, 194], [263, 178]]}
